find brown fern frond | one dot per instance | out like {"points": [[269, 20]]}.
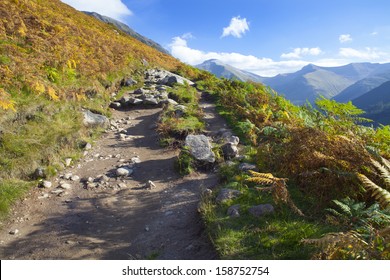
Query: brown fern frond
{"points": [[380, 194], [384, 171], [386, 163], [261, 181], [261, 175]]}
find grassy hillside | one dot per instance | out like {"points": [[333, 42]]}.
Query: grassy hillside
{"points": [[54, 61]]}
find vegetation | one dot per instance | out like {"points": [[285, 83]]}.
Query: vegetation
{"points": [[326, 154], [54, 61]]}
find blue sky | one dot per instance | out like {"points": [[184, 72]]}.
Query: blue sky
{"points": [[266, 37]]}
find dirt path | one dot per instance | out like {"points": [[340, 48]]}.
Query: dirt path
{"points": [[119, 219]]}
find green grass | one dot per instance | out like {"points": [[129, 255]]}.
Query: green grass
{"points": [[10, 191]]}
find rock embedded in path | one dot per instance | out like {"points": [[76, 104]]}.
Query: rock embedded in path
{"points": [[200, 148], [227, 194], [150, 185], [46, 184], [229, 150], [13, 232], [261, 210], [124, 172], [95, 120]]}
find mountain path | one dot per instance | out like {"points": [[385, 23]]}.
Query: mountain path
{"points": [[118, 222]]}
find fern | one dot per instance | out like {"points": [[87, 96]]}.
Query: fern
{"points": [[383, 169], [380, 194], [278, 189]]}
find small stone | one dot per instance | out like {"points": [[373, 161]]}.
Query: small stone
{"points": [[68, 176], [135, 159], [150, 185], [90, 179], [234, 211], [46, 184], [70, 242], [226, 194], [122, 186], [247, 166], [65, 186], [68, 161], [147, 228], [39, 173], [123, 172], [43, 196], [57, 191], [75, 178], [261, 210], [14, 231], [88, 146], [115, 105], [103, 178]]}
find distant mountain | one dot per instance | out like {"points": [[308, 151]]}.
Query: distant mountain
{"points": [[380, 75], [123, 27], [312, 81], [223, 70], [376, 103]]}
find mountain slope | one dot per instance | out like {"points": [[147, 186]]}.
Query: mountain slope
{"points": [[123, 27], [378, 76], [223, 70], [312, 81], [376, 103]]}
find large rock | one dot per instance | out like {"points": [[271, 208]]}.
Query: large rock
{"points": [[200, 148], [164, 77], [94, 120]]}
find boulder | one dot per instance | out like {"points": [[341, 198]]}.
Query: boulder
{"points": [[200, 148], [94, 120], [261, 210], [226, 194]]}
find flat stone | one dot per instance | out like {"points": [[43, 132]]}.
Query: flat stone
{"points": [[124, 172], [247, 166], [13, 232], [150, 185], [46, 184], [65, 186], [88, 146], [227, 194], [261, 210], [75, 178], [43, 196], [67, 176], [68, 161]]}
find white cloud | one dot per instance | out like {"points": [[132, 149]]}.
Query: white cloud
{"points": [[299, 52], [369, 54], [374, 33], [344, 38], [113, 8], [237, 27], [261, 66]]}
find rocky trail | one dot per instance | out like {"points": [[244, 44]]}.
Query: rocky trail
{"points": [[123, 200]]}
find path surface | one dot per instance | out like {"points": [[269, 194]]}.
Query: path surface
{"points": [[118, 222]]}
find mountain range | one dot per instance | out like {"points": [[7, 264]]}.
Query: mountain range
{"points": [[365, 84], [126, 29]]}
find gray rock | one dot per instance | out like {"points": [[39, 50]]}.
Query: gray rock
{"points": [[88, 146], [75, 178], [234, 211], [135, 101], [150, 185], [135, 159], [67, 176], [127, 82], [68, 161], [151, 101], [103, 178], [46, 184], [200, 148], [115, 105], [39, 173], [43, 196], [226, 194], [95, 120], [141, 91], [13, 232], [229, 150], [57, 191], [65, 186], [124, 172], [247, 166], [261, 210]]}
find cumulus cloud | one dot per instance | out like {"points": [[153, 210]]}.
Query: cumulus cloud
{"points": [[300, 52], [238, 26], [344, 38], [113, 8], [262, 66]]}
